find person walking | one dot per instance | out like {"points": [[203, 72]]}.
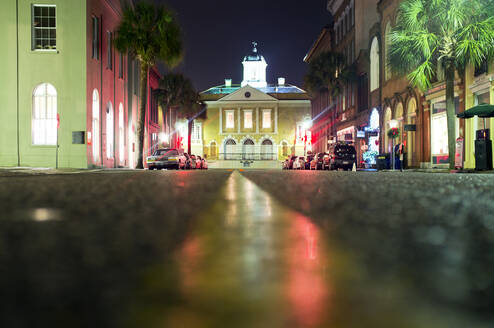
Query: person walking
{"points": [[400, 153]]}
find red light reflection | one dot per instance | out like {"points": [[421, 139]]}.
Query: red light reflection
{"points": [[307, 290]]}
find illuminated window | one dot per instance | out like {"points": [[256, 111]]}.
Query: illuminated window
{"points": [[387, 35], [266, 119], [121, 133], [44, 27], [230, 119], [248, 119], [374, 65], [44, 119], [196, 132], [96, 126], [109, 130], [284, 148]]}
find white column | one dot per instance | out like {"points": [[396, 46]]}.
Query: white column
{"points": [[238, 120], [257, 120], [221, 120], [276, 119]]}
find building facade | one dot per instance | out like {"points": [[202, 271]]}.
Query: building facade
{"points": [[71, 99], [253, 124]]}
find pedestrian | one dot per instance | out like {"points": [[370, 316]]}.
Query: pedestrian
{"points": [[400, 149]]}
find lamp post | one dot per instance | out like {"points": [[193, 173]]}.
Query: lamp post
{"points": [[393, 124]]}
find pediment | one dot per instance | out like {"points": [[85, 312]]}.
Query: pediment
{"points": [[247, 93]]}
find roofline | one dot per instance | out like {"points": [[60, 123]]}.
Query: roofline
{"points": [[309, 54]]}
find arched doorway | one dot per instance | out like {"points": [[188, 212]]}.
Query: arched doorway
{"points": [[387, 119], [284, 149], [399, 119], [267, 150], [248, 150], [212, 150], [230, 149], [109, 130]]}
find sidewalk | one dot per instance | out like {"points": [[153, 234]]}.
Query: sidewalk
{"points": [[27, 171]]}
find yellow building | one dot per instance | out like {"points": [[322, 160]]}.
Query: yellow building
{"points": [[253, 124], [479, 88]]}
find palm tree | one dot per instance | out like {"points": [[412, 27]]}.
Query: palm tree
{"points": [[175, 90], [327, 73], [151, 34], [433, 35]]}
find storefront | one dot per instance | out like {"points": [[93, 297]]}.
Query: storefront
{"points": [[439, 131], [346, 135], [372, 135]]}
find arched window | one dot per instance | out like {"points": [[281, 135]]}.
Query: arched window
{"points": [[109, 130], [284, 148], [212, 150], [387, 119], [121, 134], [387, 35], [229, 148], [96, 126], [267, 150], [248, 149], [374, 65], [44, 116]]}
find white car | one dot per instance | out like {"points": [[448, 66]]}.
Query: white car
{"points": [[167, 158], [299, 163]]}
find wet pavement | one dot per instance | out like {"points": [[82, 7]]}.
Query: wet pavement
{"points": [[246, 249]]}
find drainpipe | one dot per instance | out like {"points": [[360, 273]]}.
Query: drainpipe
{"points": [[17, 79]]}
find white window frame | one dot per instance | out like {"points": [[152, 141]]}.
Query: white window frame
{"points": [[44, 115], [109, 130], [96, 126], [247, 113], [121, 133], [196, 135], [33, 28], [229, 124], [267, 124], [374, 64]]}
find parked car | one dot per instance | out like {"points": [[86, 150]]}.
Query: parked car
{"points": [[342, 156], [286, 163], [188, 161], [193, 162], [166, 158], [307, 162], [301, 160], [291, 161], [198, 162], [204, 163], [318, 161], [298, 163]]}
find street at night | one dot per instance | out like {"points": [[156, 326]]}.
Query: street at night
{"points": [[234, 248]]}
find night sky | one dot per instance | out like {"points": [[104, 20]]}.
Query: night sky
{"points": [[218, 34]]}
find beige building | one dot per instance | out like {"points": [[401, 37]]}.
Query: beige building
{"points": [[253, 124]]}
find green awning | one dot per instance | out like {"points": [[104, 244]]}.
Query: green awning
{"points": [[482, 110]]}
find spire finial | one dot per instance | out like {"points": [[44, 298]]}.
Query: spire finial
{"points": [[255, 46]]}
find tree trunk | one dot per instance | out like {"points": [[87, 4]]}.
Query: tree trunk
{"points": [[189, 135], [451, 113], [142, 115]]}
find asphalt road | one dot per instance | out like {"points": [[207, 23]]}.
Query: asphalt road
{"points": [[246, 249]]}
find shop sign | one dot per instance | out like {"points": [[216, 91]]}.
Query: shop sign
{"points": [[360, 134], [410, 127], [373, 133]]}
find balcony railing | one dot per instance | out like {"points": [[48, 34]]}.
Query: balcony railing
{"points": [[248, 156]]}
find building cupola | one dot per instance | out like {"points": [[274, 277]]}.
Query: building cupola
{"points": [[254, 69]]}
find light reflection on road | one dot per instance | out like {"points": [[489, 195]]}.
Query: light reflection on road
{"points": [[261, 267]]}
